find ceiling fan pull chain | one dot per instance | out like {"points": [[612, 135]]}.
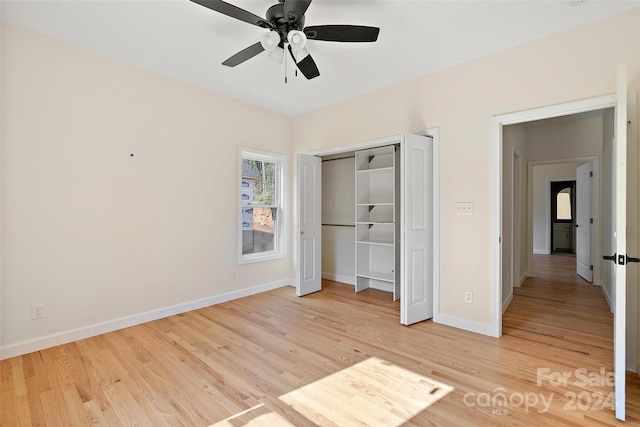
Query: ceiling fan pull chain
{"points": [[285, 69]]}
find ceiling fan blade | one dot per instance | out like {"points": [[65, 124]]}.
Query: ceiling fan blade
{"points": [[244, 55], [307, 65], [342, 33], [234, 12], [295, 9]]}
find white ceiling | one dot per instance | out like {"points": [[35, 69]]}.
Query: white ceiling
{"points": [[186, 41]]}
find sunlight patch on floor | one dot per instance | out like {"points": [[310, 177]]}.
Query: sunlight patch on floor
{"points": [[372, 392], [257, 416]]}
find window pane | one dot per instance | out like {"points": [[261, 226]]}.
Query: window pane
{"points": [[258, 230], [563, 200], [258, 179]]}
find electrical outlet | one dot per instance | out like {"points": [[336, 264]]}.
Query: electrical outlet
{"points": [[234, 274], [464, 208], [37, 311], [468, 297]]}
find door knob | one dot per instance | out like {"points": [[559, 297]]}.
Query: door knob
{"points": [[622, 259]]}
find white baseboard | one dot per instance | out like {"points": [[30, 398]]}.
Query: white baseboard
{"points": [[60, 338], [540, 252], [606, 296], [350, 280], [467, 325], [506, 303], [523, 278]]}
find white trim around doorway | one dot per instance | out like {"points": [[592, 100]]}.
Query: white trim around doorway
{"points": [[511, 119]]}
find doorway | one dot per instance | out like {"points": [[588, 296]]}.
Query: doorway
{"points": [[620, 172], [531, 118], [563, 214]]}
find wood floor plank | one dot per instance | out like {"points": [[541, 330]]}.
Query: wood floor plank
{"points": [[277, 359]]}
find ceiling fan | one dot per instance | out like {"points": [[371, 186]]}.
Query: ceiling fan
{"points": [[285, 22]]}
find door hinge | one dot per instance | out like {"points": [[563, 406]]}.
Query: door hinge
{"points": [[591, 267], [590, 174], [590, 220]]}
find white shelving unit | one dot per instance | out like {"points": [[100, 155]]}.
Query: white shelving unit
{"points": [[377, 220]]}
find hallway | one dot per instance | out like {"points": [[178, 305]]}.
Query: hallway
{"points": [[568, 323]]}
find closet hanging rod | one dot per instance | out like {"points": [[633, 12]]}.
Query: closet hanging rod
{"points": [[338, 225]]}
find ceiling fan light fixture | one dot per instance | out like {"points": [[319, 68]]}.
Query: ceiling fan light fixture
{"points": [[270, 40], [297, 39], [277, 55]]}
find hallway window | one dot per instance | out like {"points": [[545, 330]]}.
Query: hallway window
{"points": [[563, 204]]}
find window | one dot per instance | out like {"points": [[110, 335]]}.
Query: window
{"points": [[261, 190], [563, 204]]}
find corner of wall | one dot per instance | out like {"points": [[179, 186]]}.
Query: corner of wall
{"points": [[506, 303]]}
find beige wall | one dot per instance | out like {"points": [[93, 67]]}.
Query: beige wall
{"points": [[576, 136], [95, 234], [462, 101]]}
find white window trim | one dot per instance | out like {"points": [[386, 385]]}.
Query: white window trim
{"points": [[280, 250]]}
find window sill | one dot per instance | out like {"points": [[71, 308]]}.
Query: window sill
{"points": [[261, 257]]}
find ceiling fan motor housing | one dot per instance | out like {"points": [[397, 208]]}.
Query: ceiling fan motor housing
{"points": [[281, 23]]}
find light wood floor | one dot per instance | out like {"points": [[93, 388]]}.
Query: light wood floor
{"points": [[331, 358]]}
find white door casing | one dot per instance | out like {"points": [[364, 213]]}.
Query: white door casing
{"points": [[310, 225], [416, 213], [584, 176], [619, 220]]}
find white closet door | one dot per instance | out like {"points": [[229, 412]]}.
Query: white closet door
{"points": [[309, 224], [416, 188]]}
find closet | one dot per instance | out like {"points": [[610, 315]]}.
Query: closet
{"points": [[387, 225], [377, 225]]}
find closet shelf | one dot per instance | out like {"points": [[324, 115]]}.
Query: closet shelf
{"points": [[377, 275], [375, 242], [375, 170]]}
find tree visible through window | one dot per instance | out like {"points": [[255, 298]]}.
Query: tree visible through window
{"points": [[260, 206]]}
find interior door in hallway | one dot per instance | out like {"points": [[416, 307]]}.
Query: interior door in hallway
{"points": [[584, 176]]}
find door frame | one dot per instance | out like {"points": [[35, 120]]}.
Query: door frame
{"points": [[499, 122], [591, 104]]}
